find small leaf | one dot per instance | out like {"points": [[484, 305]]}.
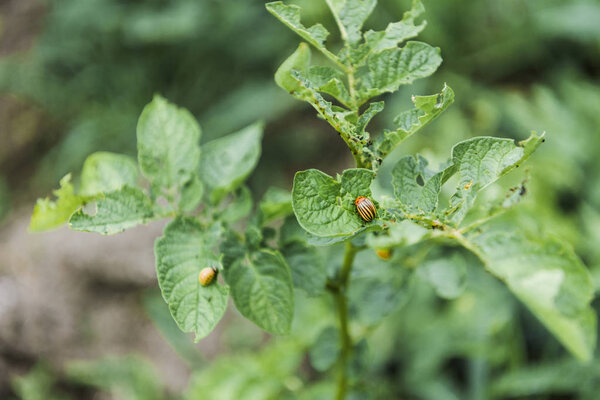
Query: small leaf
{"points": [[330, 81], [427, 108], [261, 287], [299, 61], [308, 271], [168, 143], [191, 194], [181, 253], [374, 109], [325, 206], [481, 161], [114, 212], [326, 349], [49, 214], [105, 172], [390, 68], [549, 279], [397, 32], [290, 16], [415, 186], [227, 161], [350, 16], [276, 203], [240, 206]]}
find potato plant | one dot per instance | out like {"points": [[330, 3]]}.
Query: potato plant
{"points": [[308, 240]]}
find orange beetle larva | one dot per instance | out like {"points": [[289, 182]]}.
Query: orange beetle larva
{"points": [[207, 275], [365, 208], [384, 254]]}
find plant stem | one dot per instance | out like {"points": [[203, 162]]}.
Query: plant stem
{"points": [[342, 309]]}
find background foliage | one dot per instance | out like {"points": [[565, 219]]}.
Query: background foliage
{"points": [[515, 66]]}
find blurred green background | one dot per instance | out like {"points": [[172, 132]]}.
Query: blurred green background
{"points": [[74, 76]]}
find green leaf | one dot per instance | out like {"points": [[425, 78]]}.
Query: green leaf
{"points": [[562, 376], [158, 311], [481, 161], [330, 81], [350, 16], [37, 384], [325, 206], [403, 233], [181, 253], [191, 194], [390, 68], [377, 288], [415, 186], [261, 287], [366, 117], [446, 275], [548, 278], [49, 214], [114, 212], [168, 143], [308, 271], [335, 116], [427, 108], [299, 61], [276, 203], [240, 206], [264, 375], [290, 16], [397, 32], [326, 349], [127, 378], [105, 172], [227, 161]]}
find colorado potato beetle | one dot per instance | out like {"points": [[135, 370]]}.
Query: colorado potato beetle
{"points": [[207, 275], [365, 208]]}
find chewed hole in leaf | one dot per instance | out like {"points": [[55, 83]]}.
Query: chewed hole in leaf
{"points": [[420, 180], [90, 208]]}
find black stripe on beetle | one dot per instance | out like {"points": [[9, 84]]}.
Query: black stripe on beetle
{"points": [[207, 275], [366, 208]]}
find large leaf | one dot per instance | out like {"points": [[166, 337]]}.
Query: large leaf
{"points": [[308, 270], [168, 143], [548, 278], [415, 186], [325, 206], [227, 161], [181, 253], [350, 16], [390, 68], [114, 212], [427, 108], [49, 214], [481, 161], [105, 172], [261, 287]]}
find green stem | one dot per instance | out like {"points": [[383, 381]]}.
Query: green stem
{"points": [[342, 309]]}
